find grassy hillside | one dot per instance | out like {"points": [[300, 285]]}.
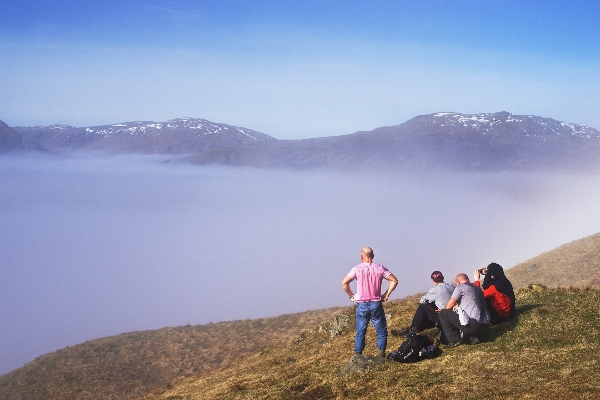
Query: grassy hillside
{"points": [[132, 364], [549, 351], [573, 264], [551, 347]]}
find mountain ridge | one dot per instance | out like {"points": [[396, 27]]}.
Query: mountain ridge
{"points": [[175, 136], [475, 142], [478, 142]]}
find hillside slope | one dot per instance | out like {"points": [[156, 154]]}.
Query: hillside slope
{"points": [[549, 351], [132, 364], [573, 264]]}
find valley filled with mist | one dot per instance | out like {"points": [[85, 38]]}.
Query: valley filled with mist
{"points": [[95, 245]]}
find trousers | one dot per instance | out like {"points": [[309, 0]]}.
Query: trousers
{"points": [[365, 312], [425, 317], [452, 327]]}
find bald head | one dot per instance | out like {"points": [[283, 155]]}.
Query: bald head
{"points": [[366, 254], [461, 278]]}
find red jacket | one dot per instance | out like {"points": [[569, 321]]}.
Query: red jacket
{"points": [[499, 301]]}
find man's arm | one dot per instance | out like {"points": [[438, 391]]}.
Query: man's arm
{"points": [[451, 303], [429, 297], [346, 286], [393, 283]]}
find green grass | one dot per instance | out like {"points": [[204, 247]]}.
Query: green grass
{"points": [[550, 350]]}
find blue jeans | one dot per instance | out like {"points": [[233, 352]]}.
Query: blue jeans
{"points": [[365, 312]]}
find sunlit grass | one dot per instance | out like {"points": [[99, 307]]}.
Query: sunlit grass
{"points": [[574, 263], [550, 350]]}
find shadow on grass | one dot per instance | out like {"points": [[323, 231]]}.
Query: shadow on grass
{"points": [[498, 330], [495, 331]]}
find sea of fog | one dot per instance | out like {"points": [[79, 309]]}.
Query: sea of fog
{"points": [[92, 246]]}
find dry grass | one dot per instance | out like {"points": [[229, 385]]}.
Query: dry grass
{"points": [[549, 350], [132, 364], [573, 264]]}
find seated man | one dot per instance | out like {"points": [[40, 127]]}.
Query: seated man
{"points": [[465, 311], [434, 300]]}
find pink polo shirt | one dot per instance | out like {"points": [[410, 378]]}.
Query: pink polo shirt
{"points": [[368, 281]]}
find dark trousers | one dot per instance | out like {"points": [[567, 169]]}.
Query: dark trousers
{"points": [[495, 317], [425, 317], [452, 327]]}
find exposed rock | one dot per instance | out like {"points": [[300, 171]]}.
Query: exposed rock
{"points": [[360, 363], [536, 287], [532, 267], [337, 324]]}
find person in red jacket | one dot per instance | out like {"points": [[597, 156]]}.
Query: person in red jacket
{"points": [[498, 292]]}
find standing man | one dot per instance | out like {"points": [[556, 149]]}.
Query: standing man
{"points": [[465, 311], [368, 299]]}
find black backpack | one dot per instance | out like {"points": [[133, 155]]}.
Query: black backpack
{"points": [[414, 348]]}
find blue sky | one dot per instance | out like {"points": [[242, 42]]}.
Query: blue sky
{"points": [[296, 69]]}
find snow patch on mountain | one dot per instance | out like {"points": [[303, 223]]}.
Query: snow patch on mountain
{"points": [[485, 122], [201, 126]]}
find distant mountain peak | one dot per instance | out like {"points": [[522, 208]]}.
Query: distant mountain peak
{"points": [[530, 125], [175, 136], [201, 126]]}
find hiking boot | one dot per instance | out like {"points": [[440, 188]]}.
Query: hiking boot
{"points": [[453, 344], [474, 340], [400, 332], [406, 332], [381, 353], [411, 331]]}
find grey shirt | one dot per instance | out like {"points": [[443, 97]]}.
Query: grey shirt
{"points": [[471, 301], [439, 294]]}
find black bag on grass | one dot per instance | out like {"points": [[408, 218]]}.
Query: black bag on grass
{"points": [[414, 348]]}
